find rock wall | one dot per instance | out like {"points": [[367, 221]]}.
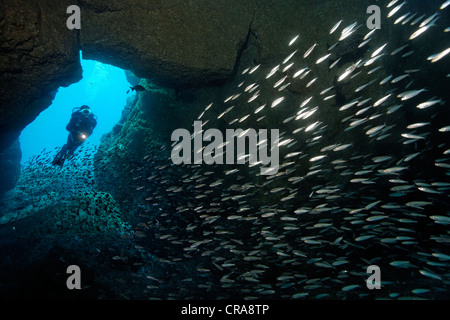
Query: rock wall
{"points": [[38, 54], [9, 167]]}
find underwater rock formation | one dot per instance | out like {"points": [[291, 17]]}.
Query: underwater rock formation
{"points": [[363, 176], [10, 167], [172, 42], [38, 54]]}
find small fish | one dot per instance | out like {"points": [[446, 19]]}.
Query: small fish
{"points": [[310, 82], [137, 88], [441, 219], [419, 32], [430, 274], [386, 79], [350, 287], [394, 11], [357, 122], [348, 105], [323, 58], [299, 72], [420, 291], [390, 4], [348, 31], [362, 44], [317, 158], [411, 156], [444, 129], [335, 27], [418, 19], [380, 101], [377, 51], [362, 238], [308, 52], [277, 102], [403, 17], [272, 72], [279, 82], [411, 136], [445, 5], [342, 147], [398, 50], [417, 125], [392, 170], [427, 20], [399, 78], [376, 218], [430, 103], [375, 129], [293, 40], [438, 56], [428, 190], [254, 69], [334, 63], [365, 85], [401, 264], [289, 57], [410, 94]]}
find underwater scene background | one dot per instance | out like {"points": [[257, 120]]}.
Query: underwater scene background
{"points": [[363, 177]]}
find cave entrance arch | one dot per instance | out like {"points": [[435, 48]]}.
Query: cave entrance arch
{"points": [[103, 87]]}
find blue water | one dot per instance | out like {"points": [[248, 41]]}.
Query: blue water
{"points": [[103, 88]]}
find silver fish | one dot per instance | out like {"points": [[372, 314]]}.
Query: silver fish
{"points": [[419, 32], [417, 125], [377, 51], [289, 57], [293, 40], [399, 78], [398, 50], [427, 20], [403, 17], [308, 52], [380, 101], [418, 19], [320, 60], [335, 27], [375, 129], [394, 11], [410, 94], [390, 4], [411, 136], [438, 56], [429, 103]]}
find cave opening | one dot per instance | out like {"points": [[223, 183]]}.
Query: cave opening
{"points": [[103, 87]]}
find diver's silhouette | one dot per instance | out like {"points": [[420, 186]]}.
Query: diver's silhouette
{"points": [[80, 127]]}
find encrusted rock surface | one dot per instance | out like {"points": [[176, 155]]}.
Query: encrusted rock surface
{"points": [[38, 54]]}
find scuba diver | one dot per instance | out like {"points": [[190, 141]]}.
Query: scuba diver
{"points": [[80, 127]]}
